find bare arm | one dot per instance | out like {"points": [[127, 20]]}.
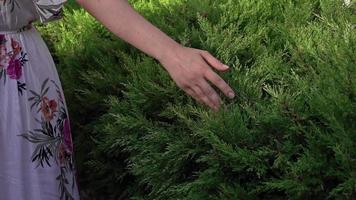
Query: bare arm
{"points": [[188, 67]]}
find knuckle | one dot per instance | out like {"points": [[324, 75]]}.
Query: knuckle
{"points": [[227, 88], [220, 81], [214, 96], [204, 98], [201, 67], [210, 92], [206, 74], [200, 94], [194, 77], [195, 72], [191, 80], [183, 85], [205, 71], [196, 97]]}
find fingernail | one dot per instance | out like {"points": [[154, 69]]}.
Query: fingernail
{"points": [[226, 66], [231, 95]]}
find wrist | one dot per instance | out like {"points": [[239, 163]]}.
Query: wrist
{"points": [[170, 53]]}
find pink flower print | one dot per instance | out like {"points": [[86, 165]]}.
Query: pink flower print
{"points": [[3, 52], [62, 155], [14, 69], [66, 147], [48, 108], [67, 135], [4, 59], [2, 39], [16, 47]]}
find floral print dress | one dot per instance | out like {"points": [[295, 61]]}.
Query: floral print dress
{"points": [[36, 150]]}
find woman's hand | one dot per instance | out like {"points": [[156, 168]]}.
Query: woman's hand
{"points": [[191, 69]]}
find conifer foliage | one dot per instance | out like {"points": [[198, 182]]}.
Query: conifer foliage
{"points": [[290, 133]]}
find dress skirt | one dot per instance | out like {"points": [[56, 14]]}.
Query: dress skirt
{"points": [[36, 149]]}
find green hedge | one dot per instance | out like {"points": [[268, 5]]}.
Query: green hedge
{"points": [[289, 134]]}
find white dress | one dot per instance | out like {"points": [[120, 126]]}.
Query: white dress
{"points": [[36, 150]]}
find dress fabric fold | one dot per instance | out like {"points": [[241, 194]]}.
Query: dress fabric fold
{"points": [[49, 10]]}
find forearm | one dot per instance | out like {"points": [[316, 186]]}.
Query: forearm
{"points": [[122, 20], [189, 68]]}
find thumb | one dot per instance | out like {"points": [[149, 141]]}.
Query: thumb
{"points": [[212, 61]]}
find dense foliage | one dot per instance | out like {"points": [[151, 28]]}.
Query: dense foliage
{"points": [[289, 133]]}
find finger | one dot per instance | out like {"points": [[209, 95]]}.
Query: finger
{"points": [[204, 98], [194, 95], [212, 61], [210, 92], [220, 83]]}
